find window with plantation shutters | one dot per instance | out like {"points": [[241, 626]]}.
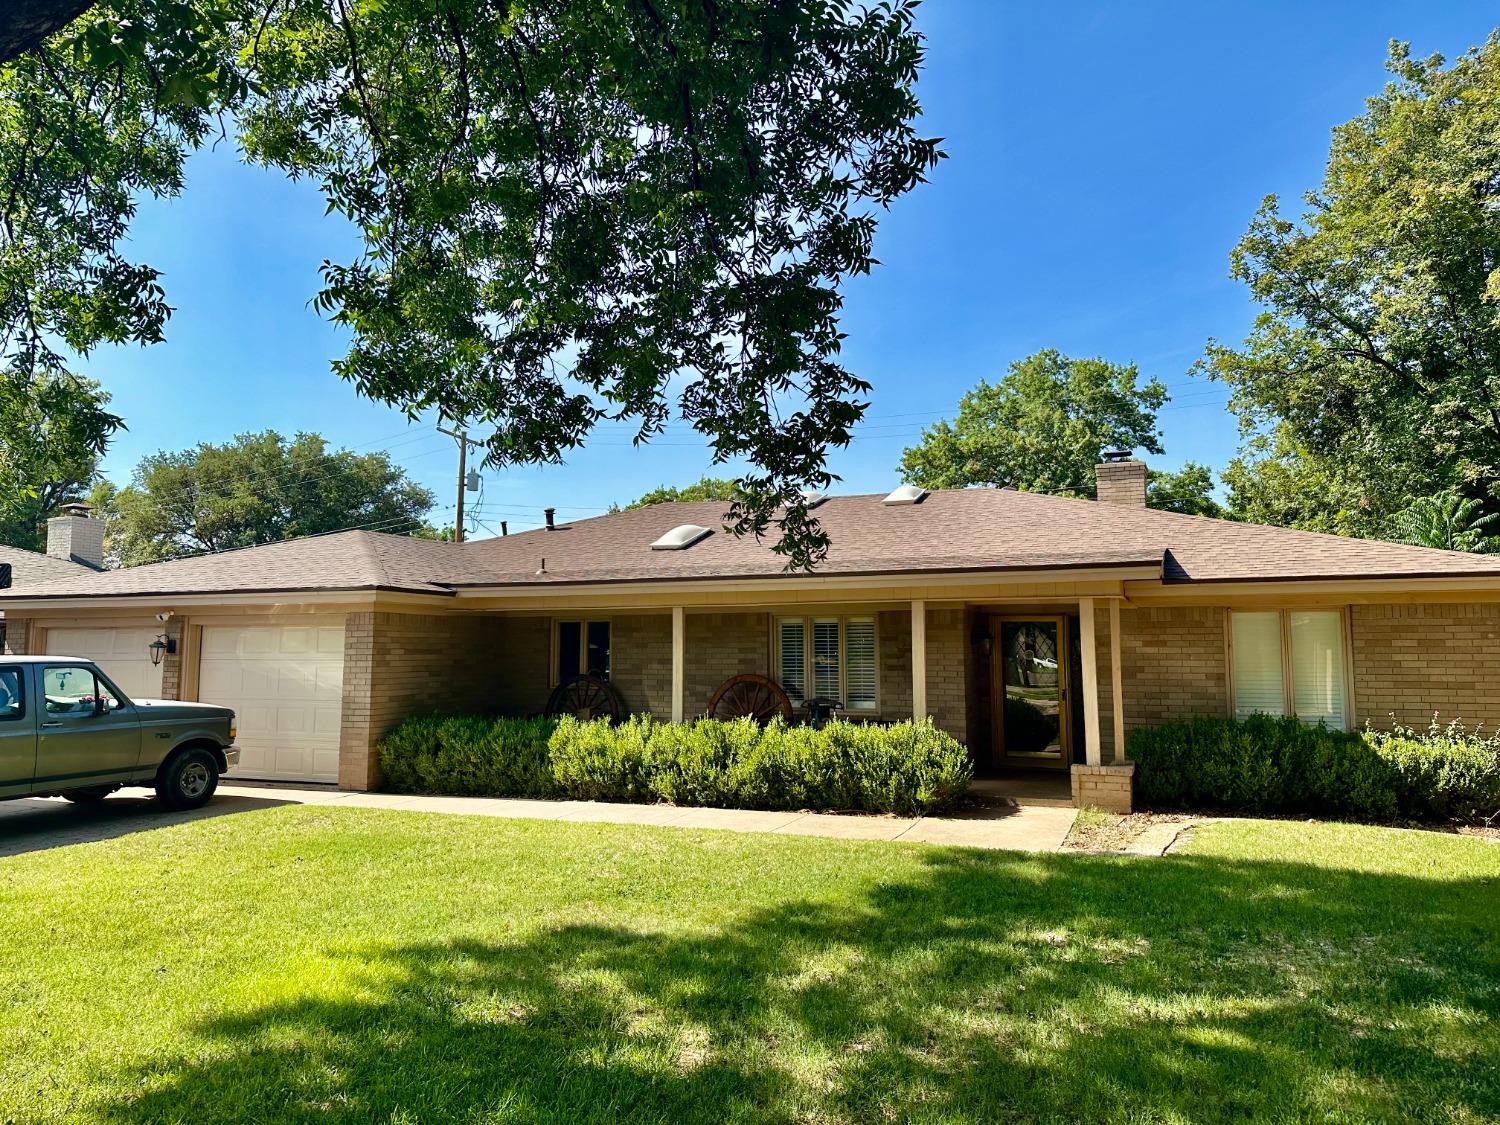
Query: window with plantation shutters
{"points": [[860, 667], [1290, 662], [1259, 680], [792, 648], [829, 658], [826, 651], [1317, 644]]}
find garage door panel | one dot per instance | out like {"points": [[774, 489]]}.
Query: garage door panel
{"points": [[286, 684], [122, 653]]}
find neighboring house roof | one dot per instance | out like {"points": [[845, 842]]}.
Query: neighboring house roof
{"points": [[29, 568], [949, 531]]}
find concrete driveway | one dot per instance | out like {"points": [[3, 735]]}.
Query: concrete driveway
{"points": [[30, 825]]}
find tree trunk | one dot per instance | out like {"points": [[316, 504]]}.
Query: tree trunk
{"points": [[25, 23]]}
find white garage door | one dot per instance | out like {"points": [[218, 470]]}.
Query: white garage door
{"points": [[286, 685], [122, 653]]}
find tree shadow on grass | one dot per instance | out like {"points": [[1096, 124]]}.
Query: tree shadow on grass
{"points": [[991, 987]]}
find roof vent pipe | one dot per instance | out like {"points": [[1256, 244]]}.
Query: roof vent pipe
{"points": [[551, 514], [504, 528]]}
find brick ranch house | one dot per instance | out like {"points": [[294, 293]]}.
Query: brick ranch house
{"points": [[1037, 630]]}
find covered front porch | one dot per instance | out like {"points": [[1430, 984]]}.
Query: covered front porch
{"points": [[1032, 686]]}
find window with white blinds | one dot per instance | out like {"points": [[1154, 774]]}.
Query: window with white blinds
{"points": [[1259, 682], [1318, 666], [791, 646], [829, 657], [1290, 662], [860, 668]]}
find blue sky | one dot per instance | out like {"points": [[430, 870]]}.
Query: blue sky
{"points": [[1103, 160]]}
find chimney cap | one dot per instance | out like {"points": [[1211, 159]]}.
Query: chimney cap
{"points": [[1115, 456], [77, 508]]}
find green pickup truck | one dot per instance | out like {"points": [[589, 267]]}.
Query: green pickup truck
{"points": [[65, 730]]}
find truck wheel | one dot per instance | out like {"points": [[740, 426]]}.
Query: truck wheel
{"points": [[188, 780], [90, 796]]}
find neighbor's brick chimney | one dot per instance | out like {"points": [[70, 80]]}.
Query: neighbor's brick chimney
{"points": [[77, 536], [1121, 479]]}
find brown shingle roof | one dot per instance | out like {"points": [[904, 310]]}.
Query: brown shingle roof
{"points": [[31, 567], [977, 529]]}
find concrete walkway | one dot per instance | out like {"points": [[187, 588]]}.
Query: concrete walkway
{"points": [[36, 824], [1021, 828]]}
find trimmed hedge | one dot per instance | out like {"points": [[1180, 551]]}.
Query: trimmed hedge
{"points": [[903, 768], [1274, 764], [469, 756]]}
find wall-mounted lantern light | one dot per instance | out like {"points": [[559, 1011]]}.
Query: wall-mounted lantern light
{"points": [[983, 642], [161, 647]]}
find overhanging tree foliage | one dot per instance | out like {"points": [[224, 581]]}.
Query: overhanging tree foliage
{"points": [[1373, 374], [573, 210], [53, 429]]}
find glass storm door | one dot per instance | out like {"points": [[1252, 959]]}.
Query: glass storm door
{"points": [[1031, 721]]}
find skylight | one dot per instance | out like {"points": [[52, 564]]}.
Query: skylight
{"points": [[682, 537], [906, 494]]}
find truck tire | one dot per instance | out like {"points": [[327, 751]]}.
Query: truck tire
{"points": [[187, 780], [91, 796]]}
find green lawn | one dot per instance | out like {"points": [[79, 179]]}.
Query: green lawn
{"points": [[354, 965]]}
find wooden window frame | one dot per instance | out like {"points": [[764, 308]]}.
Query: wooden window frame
{"points": [[843, 620], [1283, 614], [553, 678]]}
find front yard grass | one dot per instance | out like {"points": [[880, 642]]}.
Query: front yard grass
{"points": [[359, 965]]}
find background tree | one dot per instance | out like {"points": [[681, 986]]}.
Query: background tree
{"points": [[707, 488], [1373, 373], [53, 429], [259, 488], [1042, 428], [565, 205], [1447, 521], [1188, 490]]}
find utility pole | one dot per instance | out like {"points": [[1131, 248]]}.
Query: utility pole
{"points": [[464, 441]]}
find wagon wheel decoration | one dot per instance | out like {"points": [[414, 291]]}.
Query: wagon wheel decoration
{"points": [[586, 697], [750, 696]]}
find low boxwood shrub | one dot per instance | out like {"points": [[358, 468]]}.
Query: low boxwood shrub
{"points": [[1277, 764], [469, 756], [902, 768]]}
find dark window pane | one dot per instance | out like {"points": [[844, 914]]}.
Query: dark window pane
{"points": [[12, 699], [568, 648], [598, 656]]}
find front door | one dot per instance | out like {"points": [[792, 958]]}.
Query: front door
{"points": [[1031, 690]]}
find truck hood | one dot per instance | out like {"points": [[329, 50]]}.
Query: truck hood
{"points": [[179, 709]]}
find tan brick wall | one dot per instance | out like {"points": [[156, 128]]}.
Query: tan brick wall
{"points": [[948, 671], [171, 663], [1110, 788], [640, 658], [1412, 660], [720, 645], [397, 665], [17, 635], [893, 634], [1174, 664]]}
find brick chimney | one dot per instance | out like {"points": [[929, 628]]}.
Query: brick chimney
{"points": [[76, 536], [1120, 479]]}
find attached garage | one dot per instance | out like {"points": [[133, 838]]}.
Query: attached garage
{"points": [[286, 685], [123, 653]]}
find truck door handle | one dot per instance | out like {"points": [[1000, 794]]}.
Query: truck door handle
{"points": [[53, 723]]}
